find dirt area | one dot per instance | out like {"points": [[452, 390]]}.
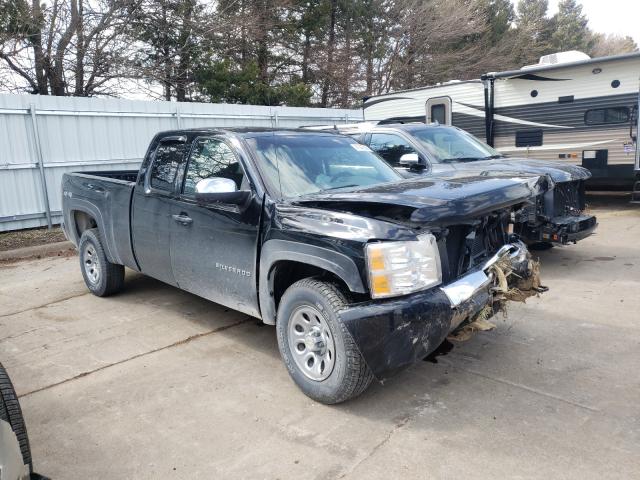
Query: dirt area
{"points": [[30, 238]]}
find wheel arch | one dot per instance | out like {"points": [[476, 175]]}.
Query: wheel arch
{"points": [[82, 221], [297, 261], [84, 215]]}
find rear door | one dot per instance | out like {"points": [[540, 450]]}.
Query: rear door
{"points": [[153, 200], [214, 247]]}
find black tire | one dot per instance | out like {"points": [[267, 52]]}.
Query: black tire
{"points": [[10, 412], [110, 277], [350, 375]]}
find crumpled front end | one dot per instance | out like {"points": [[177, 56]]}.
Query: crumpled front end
{"points": [[394, 334], [558, 216]]}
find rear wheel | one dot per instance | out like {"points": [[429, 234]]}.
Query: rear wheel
{"points": [[315, 345], [102, 277], [11, 413]]}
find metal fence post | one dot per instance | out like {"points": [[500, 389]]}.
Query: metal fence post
{"points": [[346, 118], [178, 118], [275, 119], [38, 147]]}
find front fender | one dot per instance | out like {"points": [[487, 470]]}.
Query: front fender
{"points": [[276, 250]]}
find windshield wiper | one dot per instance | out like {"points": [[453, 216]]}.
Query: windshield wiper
{"points": [[460, 159], [341, 186], [470, 159]]}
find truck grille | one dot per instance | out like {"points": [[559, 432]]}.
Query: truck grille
{"points": [[465, 247], [568, 199]]}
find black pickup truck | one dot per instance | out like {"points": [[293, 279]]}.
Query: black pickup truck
{"points": [[361, 271]]}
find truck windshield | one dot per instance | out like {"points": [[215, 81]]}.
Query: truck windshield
{"points": [[448, 145], [296, 164]]}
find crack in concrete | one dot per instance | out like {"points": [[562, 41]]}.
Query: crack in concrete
{"points": [[20, 334], [143, 354], [38, 307], [380, 444], [531, 389]]}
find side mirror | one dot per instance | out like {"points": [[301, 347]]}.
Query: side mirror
{"points": [[411, 160], [220, 190]]}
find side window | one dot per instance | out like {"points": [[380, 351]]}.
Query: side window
{"points": [[212, 158], [390, 147], [166, 161], [602, 116]]}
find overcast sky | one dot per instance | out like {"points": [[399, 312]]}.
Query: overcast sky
{"points": [[609, 16]]}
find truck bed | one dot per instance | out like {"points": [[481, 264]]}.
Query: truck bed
{"points": [[106, 197]]}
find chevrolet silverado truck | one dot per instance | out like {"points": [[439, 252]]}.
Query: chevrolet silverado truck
{"points": [[362, 272], [556, 218]]}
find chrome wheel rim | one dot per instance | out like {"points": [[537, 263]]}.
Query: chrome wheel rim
{"points": [[91, 264], [311, 343]]}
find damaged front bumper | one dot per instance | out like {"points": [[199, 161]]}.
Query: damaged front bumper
{"points": [[568, 229], [393, 334]]}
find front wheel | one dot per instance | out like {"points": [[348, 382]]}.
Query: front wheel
{"points": [[102, 277], [315, 345]]}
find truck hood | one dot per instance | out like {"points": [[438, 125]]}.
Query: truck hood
{"points": [[558, 171], [444, 200]]}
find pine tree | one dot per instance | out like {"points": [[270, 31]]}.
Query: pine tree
{"points": [[533, 32], [571, 30]]}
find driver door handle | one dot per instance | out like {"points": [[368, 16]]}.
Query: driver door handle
{"points": [[183, 218]]}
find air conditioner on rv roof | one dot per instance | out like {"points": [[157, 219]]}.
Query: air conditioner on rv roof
{"points": [[559, 57]]}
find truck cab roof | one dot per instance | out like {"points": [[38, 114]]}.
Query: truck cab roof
{"points": [[244, 132]]}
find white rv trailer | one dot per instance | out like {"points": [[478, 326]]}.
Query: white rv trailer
{"points": [[569, 107]]}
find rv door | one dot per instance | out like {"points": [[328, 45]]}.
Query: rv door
{"points": [[439, 110]]}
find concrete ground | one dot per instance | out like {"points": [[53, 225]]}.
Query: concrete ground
{"points": [[157, 383]]}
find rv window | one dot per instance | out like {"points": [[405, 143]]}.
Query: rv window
{"points": [[529, 138], [602, 116], [439, 113], [390, 147]]}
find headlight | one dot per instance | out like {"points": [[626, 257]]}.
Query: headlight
{"points": [[398, 268]]}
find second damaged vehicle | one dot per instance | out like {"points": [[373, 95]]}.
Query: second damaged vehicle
{"points": [[362, 273], [556, 218]]}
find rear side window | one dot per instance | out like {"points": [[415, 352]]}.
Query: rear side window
{"points": [[212, 158], [390, 147], [603, 116], [166, 161]]}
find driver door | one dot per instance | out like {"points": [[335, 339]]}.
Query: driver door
{"points": [[213, 247]]}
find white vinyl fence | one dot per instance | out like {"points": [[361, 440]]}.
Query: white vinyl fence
{"points": [[41, 138]]}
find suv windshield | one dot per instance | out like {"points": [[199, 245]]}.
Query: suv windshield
{"points": [[453, 145], [300, 164]]}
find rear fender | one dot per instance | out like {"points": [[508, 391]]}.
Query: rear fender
{"points": [[79, 205]]}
